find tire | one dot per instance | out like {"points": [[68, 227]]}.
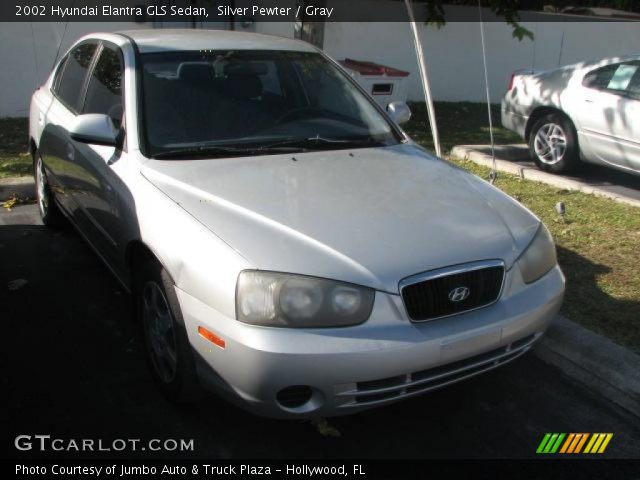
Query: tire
{"points": [[169, 353], [553, 144], [50, 214]]}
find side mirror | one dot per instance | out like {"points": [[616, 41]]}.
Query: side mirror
{"points": [[94, 128], [399, 112]]}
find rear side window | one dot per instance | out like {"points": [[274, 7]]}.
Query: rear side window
{"points": [[634, 86], [104, 92], [616, 78], [68, 86]]}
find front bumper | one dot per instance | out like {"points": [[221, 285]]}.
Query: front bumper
{"points": [[386, 359]]}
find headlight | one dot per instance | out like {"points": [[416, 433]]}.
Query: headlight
{"points": [[539, 257], [284, 300]]}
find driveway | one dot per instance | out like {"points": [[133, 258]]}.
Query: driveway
{"points": [[614, 181], [73, 366]]}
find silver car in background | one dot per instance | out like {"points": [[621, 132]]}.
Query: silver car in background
{"points": [[287, 245], [588, 111]]}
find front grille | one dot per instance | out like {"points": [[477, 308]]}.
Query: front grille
{"points": [[429, 296]]}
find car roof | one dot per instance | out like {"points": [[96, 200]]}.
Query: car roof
{"points": [[600, 62], [163, 40]]}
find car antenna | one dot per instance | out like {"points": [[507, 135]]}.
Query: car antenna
{"points": [[561, 47], [493, 175], [64, 33], [533, 57]]}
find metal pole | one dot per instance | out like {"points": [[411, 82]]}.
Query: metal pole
{"points": [[422, 67], [494, 172]]}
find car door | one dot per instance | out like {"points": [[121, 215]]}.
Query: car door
{"points": [[58, 150], [605, 115], [103, 197]]}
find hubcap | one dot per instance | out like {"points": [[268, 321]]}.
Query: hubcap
{"points": [[550, 143], [160, 332], [41, 188]]}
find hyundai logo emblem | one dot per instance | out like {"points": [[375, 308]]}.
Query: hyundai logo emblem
{"points": [[459, 294]]}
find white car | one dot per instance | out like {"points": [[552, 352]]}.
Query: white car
{"points": [[588, 111], [288, 246]]}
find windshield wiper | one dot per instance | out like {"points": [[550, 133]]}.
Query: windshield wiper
{"points": [[322, 142], [201, 151], [290, 145]]}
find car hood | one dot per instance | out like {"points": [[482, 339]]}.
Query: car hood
{"points": [[367, 216]]}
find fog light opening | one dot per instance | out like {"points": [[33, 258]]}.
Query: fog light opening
{"points": [[295, 396]]}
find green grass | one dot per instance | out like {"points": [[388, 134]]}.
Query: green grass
{"points": [[459, 123], [598, 239], [15, 160]]}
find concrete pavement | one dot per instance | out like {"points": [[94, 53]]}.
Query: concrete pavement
{"points": [[594, 179]]}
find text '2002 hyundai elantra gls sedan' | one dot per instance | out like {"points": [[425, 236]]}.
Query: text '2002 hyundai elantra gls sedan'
{"points": [[287, 245]]}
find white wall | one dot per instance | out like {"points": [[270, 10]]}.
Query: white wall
{"points": [[454, 54], [280, 29], [28, 50], [27, 53]]}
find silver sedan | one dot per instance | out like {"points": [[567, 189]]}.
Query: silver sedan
{"points": [[287, 245], [587, 111]]}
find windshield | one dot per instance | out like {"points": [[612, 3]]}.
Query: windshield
{"points": [[221, 102]]}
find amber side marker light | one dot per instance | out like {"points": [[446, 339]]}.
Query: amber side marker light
{"points": [[212, 337]]}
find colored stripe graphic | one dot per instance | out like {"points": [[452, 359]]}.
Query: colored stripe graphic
{"points": [[581, 443], [567, 443], [607, 439], [556, 445], [591, 442], [543, 443], [550, 443], [573, 443], [598, 442]]}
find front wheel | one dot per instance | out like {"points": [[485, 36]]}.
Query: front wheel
{"points": [[169, 352], [553, 144]]}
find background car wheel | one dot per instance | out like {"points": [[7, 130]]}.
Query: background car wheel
{"points": [[553, 144], [49, 212], [169, 352]]}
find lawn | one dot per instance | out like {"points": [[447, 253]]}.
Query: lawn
{"points": [[14, 158], [597, 238], [459, 123]]}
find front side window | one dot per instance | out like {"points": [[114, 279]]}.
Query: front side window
{"points": [[104, 92], [261, 100], [71, 76], [617, 78]]}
